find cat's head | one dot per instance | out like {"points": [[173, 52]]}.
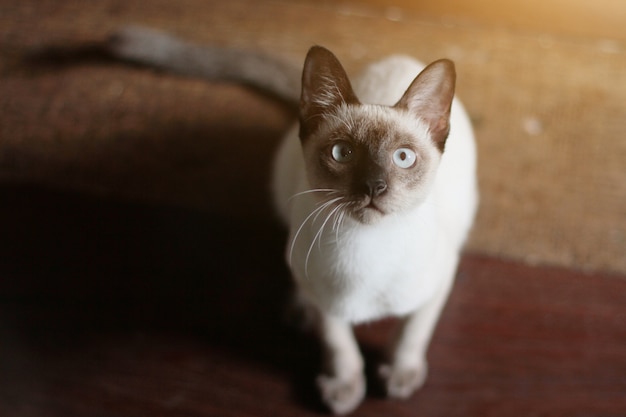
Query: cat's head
{"points": [[380, 160]]}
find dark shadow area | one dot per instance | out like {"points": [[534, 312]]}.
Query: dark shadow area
{"points": [[75, 269], [87, 254]]}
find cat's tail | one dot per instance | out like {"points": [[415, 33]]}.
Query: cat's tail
{"points": [[164, 51]]}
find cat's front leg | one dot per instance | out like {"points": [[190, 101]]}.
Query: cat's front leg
{"points": [[342, 385], [408, 367], [403, 378]]}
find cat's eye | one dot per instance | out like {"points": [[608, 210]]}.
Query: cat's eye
{"points": [[404, 158], [342, 151]]}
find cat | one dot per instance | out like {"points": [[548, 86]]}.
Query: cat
{"points": [[377, 185]]}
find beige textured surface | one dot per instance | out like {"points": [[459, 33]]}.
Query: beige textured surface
{"points": [[550, 115]]}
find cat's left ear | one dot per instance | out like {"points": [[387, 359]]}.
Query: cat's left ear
{"points": [[429, 97], [325, 86]]}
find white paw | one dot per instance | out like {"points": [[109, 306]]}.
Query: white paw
{"points": [[342, 395], [402, 382]]}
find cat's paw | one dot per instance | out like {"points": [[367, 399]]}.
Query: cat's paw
{"points": [[342, 395], [402, 382]]}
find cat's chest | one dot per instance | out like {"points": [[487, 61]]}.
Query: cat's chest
{"points": [[362, 273]]}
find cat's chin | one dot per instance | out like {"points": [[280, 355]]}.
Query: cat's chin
{"points": [[369, 214]]}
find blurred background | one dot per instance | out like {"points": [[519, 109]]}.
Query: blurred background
{"points": [[577, 18]]}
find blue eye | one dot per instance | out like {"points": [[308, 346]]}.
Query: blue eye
{"points": [[342, 151], [404, 158]]}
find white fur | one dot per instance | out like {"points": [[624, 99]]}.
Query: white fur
{"points": [[393, 266]]}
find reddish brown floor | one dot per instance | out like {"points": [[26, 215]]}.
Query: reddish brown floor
{"points": [[117, 309]]}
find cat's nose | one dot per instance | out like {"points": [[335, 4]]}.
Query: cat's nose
{"points": [[376, 187]]}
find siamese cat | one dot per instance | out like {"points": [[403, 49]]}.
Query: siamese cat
{"points": [[377, 185]]}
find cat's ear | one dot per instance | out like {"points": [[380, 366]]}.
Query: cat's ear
{"points": [[429, 97], [325, 85]]}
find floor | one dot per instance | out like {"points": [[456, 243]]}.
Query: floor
{"points": [[122, 309]]}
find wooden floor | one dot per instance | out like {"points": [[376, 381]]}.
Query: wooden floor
{"points": [[118, 309]]}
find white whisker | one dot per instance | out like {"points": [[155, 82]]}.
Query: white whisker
{"points": [[315, 190], [331, 214], [295, 237], [338, 222], [318, 236], [315, 213], [325, 205]]}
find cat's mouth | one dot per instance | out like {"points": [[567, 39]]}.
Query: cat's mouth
{"points": [[373, 206], [368, 211]]}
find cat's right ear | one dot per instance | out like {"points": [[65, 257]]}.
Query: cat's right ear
{"points": [[325, 86], [429, 97]]}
